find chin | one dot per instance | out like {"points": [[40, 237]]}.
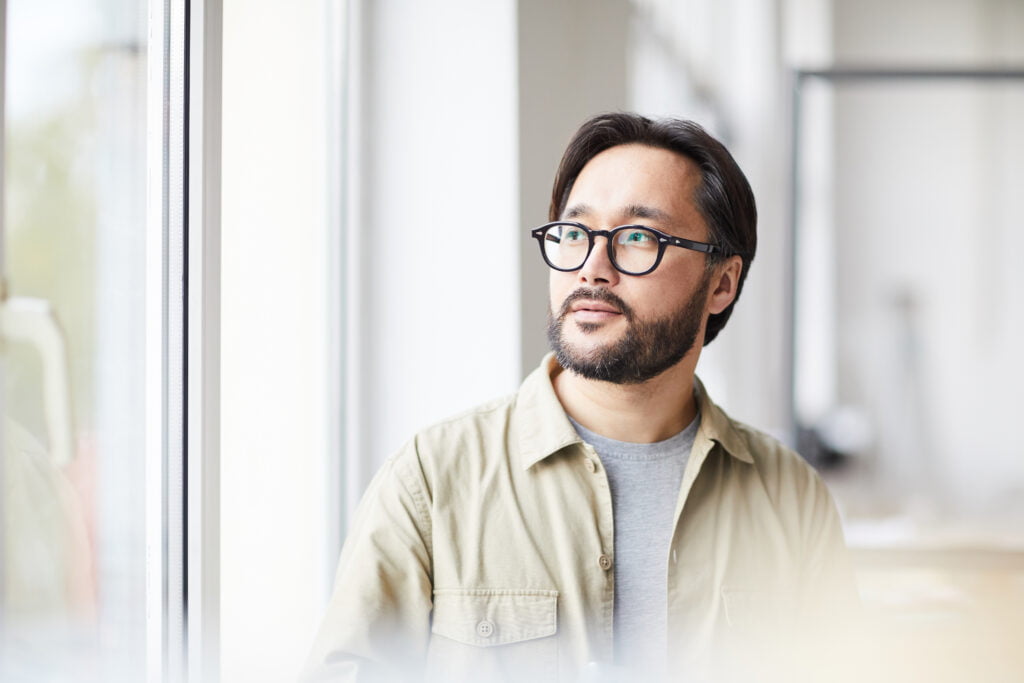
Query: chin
{"points": [[588, 350], [590, 338]]}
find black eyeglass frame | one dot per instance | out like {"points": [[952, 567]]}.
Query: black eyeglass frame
{"points": [[664, 240]]}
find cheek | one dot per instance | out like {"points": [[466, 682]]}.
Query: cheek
{"points": [[668, 295], [559, 287], [662, 288]]}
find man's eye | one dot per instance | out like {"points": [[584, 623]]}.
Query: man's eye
{"points": [[636, 237], [574, 236]]}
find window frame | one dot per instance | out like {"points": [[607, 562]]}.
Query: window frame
{"points": [[183, 340]]}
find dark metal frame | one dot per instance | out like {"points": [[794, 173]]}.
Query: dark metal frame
{"points": [[839, 76]]}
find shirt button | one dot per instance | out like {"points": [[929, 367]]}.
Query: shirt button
{"points": [[485, 629], [604, 562], [591, 467]]}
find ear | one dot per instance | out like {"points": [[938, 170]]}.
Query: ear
{"points": [[724, 284]]}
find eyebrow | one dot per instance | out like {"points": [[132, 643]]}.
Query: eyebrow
{"points": [[632, 210]]}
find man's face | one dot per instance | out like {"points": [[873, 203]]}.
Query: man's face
{"points": [[603, 324]]}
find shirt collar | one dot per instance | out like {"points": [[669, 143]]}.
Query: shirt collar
{"points": [[541, 422], [717, 427], [543, 428]]}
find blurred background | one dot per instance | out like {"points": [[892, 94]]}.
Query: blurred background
{"points": [[359, 140]]}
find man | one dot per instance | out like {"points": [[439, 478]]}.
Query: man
{"points": [[608, 521]]}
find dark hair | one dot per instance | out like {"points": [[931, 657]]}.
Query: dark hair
{"points": [[724, 198]]}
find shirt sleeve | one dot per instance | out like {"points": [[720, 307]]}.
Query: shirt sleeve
{"points": [[832, 628], [377, 624], [827, 577]]}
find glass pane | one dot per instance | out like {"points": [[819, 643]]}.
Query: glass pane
{"points": [[910, 325], [923, 289], [73, 552]]}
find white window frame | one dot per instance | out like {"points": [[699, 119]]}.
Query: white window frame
{"points": [[183, 340]]}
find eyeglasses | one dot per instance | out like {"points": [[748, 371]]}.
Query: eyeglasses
{"points": [[632, 249]]}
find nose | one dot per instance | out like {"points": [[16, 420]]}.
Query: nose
{"points": [[598, 268]]}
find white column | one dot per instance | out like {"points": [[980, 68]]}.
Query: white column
{"points": [[436, 306]]}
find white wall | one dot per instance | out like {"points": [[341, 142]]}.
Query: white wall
{"points": [[274, 497], [435, 307]]}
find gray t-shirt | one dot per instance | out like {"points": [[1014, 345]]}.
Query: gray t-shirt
{"points": [[644, 480]]}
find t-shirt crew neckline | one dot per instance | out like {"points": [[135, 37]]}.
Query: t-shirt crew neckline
{"points": [[628, 450]]}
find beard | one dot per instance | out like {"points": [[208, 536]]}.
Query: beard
{"points": [[647, 349]]}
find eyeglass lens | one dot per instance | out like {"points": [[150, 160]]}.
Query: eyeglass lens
{"points": [[634, 250]]}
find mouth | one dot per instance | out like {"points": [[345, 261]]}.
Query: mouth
{"points": [[586, 306], [589, 319], [591, 308], [589, 313]]}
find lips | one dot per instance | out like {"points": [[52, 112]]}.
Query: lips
{"points": [[594, 307]]}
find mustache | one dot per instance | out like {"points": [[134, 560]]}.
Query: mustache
{"points": [[595, 294]]}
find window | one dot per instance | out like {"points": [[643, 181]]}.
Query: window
{"points": [[73, 432], [101, 348]]}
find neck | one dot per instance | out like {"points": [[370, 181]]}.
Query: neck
{"points": [[639, 413]]}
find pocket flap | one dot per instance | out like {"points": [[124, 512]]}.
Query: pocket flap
{"points": [[486, 617]]}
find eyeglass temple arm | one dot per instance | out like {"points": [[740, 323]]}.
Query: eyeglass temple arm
{"points": [[696, 246]]}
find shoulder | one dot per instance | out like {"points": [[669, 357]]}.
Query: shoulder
{"points": [[798, 494], [783, 474], [767, 451], [481, 417], [776, 462], [459, 444], [797, 497], [472, 428]]}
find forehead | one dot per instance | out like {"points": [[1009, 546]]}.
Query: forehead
{"points": [[636, 181]]}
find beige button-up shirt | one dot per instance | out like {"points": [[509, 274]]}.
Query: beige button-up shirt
{"points": [[483, 550]]}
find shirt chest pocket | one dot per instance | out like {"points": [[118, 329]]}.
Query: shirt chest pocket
{"points": [[494, 634]]}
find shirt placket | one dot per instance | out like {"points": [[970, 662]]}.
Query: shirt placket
{"points": [[602, 563]]}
